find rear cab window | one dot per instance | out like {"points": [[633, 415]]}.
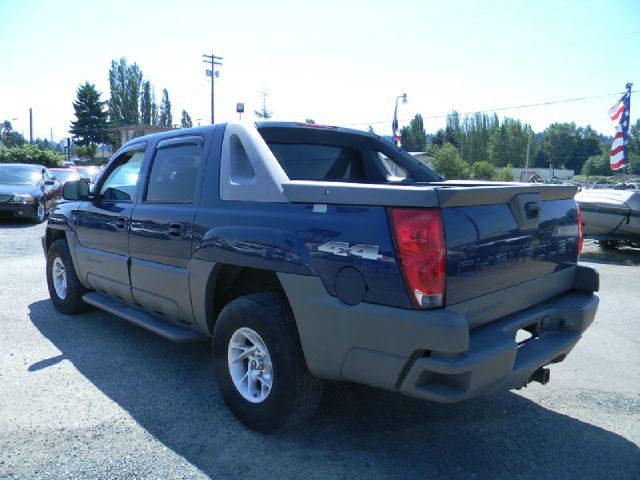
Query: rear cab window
{"points": [[331, 154]]}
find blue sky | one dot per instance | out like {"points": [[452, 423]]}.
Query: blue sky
{"points": [[338, 62]]}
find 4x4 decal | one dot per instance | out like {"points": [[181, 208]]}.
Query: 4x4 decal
{"points": [[342, 249]]}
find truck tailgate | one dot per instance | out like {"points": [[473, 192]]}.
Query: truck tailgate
{"points": [[508, 240]]}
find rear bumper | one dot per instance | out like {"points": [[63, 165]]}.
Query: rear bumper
{"points": [[494, 361], [438, 355]]}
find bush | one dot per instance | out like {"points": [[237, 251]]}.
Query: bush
{"points": [[506, 175], [482, 170], [597, 165], [31, 154], [447, 162]]}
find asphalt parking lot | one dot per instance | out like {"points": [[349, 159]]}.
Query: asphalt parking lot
{"points": [[92, 396]]}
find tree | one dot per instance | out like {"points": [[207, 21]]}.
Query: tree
{"points": [[91, 119], [88, 151], [124, 85], [166, 120], [413, 137], [10, 137], [633, 138], [447, 162], [371, 130], [310, 121], [597, 165], [155, 116], [566, 145], [508, 143], [482, 170], [475, 134], [146, 103], [186, 122], [450, 134]]}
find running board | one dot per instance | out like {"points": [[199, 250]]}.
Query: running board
{"points": [[160, 326]]}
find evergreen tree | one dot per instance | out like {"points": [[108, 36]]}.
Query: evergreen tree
{"points": [[91, 119], [413, 137], [124, 83], [633, 138], [146, 103], [508, 143], [166, 120], [186, 122], [155, 116]]}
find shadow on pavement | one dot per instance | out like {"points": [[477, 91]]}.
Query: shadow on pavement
{"points": [[623, 255], [16, 223], [358, 432]]}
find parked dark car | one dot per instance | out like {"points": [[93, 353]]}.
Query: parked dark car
{"points": [[27, 191]]}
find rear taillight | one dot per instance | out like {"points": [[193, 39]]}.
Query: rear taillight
{"points": [[420, 250], [579, 230]]}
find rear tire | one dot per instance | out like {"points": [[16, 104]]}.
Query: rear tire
{"points": [[609, 244], [65, 289], [259, 364]]}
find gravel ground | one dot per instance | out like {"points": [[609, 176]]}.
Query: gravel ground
{"points": [[92, 396]]}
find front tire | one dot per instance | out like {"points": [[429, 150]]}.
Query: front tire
{"points": [[65, 289], [259, 364], [41, 212]]}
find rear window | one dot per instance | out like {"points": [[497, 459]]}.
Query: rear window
{"points": [[319, 162]]}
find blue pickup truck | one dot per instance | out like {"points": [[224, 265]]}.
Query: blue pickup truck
{"points": [[308, 253]]}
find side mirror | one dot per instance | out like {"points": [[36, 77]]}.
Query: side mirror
{"points": [[77, 190]]}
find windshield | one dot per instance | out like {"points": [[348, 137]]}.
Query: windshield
{"points": [[20, 176]]}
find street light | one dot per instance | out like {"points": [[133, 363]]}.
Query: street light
{"points": [[394, 124]]}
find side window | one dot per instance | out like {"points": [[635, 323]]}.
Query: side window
{"points": [[120, 183], [394, 171], [174, 173]]}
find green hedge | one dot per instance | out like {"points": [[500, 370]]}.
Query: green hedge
{"points": [[31, 154]]}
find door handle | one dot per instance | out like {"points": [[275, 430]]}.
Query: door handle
{"points": [[175, 229], [532, 210], [121, 223]]}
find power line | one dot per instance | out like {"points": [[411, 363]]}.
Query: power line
{"points": [[498, 109]]}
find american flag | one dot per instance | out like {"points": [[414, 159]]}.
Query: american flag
{"points": [[394, 126], [620, 112]]}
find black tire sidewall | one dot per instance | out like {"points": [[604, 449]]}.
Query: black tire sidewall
{"points": [[72, 303], [37, 218], [275, 410]]}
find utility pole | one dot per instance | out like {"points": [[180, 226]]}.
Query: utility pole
{"points": [[212, 73], [526, 165], [30, 126]]}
